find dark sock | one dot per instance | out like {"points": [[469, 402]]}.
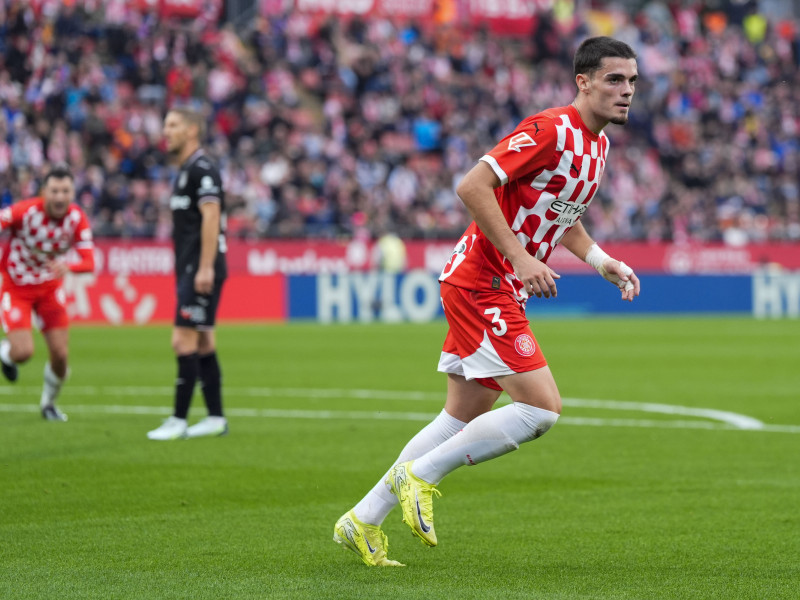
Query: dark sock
{"points": [[188, 366], [211, 379]]}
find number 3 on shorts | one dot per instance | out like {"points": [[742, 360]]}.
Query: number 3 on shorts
{"points": [[501, 327]]}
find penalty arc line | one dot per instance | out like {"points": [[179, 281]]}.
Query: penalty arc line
{"points": [[719, 419]]}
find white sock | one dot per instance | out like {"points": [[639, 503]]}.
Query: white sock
{"points": [[5, 352], [490, 435], [379, 501], [52, 386]]}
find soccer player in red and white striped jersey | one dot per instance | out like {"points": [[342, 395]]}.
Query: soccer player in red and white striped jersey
{"points": [[42, 231], [526, 195]]}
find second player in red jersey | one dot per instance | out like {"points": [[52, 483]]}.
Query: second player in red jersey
{"points": [[42, 231]]}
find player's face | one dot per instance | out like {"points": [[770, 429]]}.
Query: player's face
{"points": [[58, 193], [176, 133], [611, 89]]}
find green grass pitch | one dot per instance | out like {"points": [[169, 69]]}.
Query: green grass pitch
{"points": [[641, 490]]}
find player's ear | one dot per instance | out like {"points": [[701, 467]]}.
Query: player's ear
{"points": [[582, 81]]}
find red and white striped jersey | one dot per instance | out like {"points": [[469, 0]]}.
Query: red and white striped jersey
{"points": [[37, 239], [549, 168]]}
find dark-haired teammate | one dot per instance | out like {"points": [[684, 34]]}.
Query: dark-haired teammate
{"points": [[198, 205], [526, 195], [43, 230]]}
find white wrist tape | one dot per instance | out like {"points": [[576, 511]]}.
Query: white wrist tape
{"points": [[596, 257]]}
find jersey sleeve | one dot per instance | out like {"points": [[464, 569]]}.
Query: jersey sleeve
{"points": [[11, 216], [83, 232], [84, 245], [527, 149], [205, 181], [85, 262]]}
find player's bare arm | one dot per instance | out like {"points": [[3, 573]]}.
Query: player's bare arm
{"points": [[580, 243], [204, 278], [476, 191], [577, 240]]}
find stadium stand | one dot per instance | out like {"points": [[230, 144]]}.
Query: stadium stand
{"points": [[326, 126]]}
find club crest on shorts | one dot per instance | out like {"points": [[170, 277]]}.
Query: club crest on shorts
{"points": [[524, 345]]}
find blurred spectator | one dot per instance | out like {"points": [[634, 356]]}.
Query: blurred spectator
{"points": [[316, 120]]}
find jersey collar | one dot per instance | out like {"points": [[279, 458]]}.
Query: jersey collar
{"points": [[575, 117], [193, 157]]}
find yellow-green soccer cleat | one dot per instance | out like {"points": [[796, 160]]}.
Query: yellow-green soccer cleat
{"points": [[368, 541], [416, 500]]}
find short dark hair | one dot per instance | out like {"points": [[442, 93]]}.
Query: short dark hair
{"points": [[192, 117], [58, 171], [590, 54]]}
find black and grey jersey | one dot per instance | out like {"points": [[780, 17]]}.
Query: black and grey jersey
{"points": [[198, 181]]}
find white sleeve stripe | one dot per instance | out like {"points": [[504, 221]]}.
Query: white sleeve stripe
{"points": [[85, 244], [206, 199], [490, 160]]}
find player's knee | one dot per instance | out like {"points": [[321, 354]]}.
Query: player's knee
{"points": [[184, 341], [538, 421], [21, 352], [182, 347], [545, 424], [22, 355]]}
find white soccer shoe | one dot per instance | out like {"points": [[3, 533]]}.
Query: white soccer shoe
{"points": [[210, 426], [172, 428], [51, 413]]}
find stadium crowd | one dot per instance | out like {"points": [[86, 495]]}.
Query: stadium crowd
{"points": [[333, 128]]}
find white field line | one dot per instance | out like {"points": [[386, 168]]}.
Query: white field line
{"points": [[718, 419], [735, 419]]}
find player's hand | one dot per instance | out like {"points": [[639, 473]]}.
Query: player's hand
{"points": [[204, 280], [621, 275], [58, 268], [537, 277]]}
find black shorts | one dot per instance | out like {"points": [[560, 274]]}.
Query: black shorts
{"points": [[198, 311]]}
